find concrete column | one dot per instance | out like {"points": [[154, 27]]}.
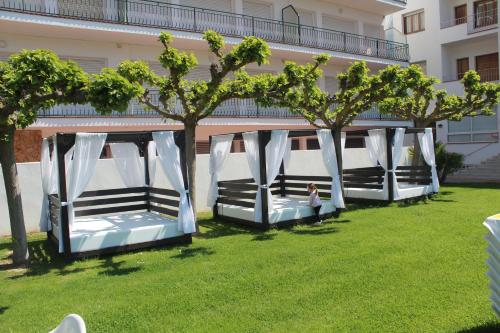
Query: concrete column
{"points": [[360, 28], [237, 6]]}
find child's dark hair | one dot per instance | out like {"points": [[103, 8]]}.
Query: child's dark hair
{"points": [[312, 187]]}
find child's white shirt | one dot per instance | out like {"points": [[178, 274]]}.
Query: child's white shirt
{"points": [[314, 200]]}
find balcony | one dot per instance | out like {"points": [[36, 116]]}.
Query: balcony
{"points": [[160, 15], [487, 75], [239, 109], [475, 23]]}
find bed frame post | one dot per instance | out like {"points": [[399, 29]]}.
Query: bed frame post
{"points": [[215, 208], [147, 179], [180, 140], [389, 135], [64, 143], [264, 137], [282, 180], [51, 140]]}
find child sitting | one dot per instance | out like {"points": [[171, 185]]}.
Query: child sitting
{"points": [[315, 202]]}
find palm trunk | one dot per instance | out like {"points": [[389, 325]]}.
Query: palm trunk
{"points": [[13, 191], [190, 136]]}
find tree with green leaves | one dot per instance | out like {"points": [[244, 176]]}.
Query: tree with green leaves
{"points": [[34, 80], [200, 98], [357, 92], [419, 101]]}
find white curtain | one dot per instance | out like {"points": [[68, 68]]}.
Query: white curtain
{"points": [[129, 163], [152, 162], [251, 141], [288, 154], [378, 145], [169, 156], [87, 149], [275, 150], [329, 154], [50, 183], [372, 153], [426, 141], [219, 151], [397, 150]]}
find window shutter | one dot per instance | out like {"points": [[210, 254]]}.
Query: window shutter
{"points": [[338, 24], [89, 65], [306, 17], [157, 68], [4, 56], [331, 84], [258, 9], [199, 73], [222, 5], [375, 31]]}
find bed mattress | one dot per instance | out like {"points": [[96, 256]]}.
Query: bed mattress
{"points": [[100, 232], [285, 209], [405, 192]]}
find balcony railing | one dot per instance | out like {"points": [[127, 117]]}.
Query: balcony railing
{"points": [[475, 23], [177, 17], [230, 109], [487, 75]]}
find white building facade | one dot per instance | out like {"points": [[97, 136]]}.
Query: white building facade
{"points": [[102, 33], [447, 38]]}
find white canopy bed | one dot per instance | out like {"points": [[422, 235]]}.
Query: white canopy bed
{"points": [[387, 179], [84, 223], [271, 197]]}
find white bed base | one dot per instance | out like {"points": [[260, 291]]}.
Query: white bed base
{"points": [[405, 192], [285, 209], [92, 233]]}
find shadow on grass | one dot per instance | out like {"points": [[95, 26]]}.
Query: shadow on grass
{"points": [[264, 237], [45, 259], [314, 231], [491, 327], [191, 252], [3, 309], [112, 268], [216, 229]]}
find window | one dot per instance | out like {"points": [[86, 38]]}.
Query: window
{"points": [[461, 14], [312, 144], [487, 67], [462, 67], [485, 13], [414, 22], [473, 130]]}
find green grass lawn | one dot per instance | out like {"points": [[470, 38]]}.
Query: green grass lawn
{"points": [[404, 268]]}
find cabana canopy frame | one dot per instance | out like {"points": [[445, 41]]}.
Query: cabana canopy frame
{"points": [[242, 192], [118, 200], [371, 179]]}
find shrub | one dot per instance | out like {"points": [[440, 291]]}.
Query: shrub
{"points": [[447, 162]]}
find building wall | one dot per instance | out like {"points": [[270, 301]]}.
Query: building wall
{"points": [[439, 46]]}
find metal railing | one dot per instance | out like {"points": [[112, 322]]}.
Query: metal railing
{"points": [[476, 22], [157, 14], [234, 108], [487, 75]]}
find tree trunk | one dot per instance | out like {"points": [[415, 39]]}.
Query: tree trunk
{"points": [[417, 152], [13, 191], [190, 136], [337, 140]]}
